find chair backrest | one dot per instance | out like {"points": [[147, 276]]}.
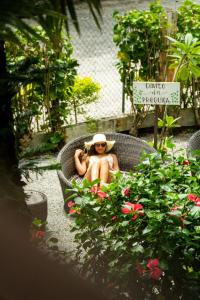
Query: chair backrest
{"points": [[194, 144], [127, 148]]}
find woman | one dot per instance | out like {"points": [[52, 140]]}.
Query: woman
{"points": [[97, 163]]}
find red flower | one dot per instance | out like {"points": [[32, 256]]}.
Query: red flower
{"points": [[131, 208], [72, 211], [101, 194], [197, 201], [77, 210], [194, 198], [186, 162], [126, 192], [70, 204], [94, 189], [114, 217], [126, 210], [191, 197], [155, 273], [134, 217], [152, 263]]}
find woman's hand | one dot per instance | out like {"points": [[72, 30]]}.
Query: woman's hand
{"points": [[80, 162], [78, 153]]}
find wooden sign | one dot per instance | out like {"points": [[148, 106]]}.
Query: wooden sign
{"points": [[156, 93]]}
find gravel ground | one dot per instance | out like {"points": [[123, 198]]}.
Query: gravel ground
{"points": [[58, 222]]}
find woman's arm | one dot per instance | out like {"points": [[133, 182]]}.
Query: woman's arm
{"points": [[80, 162], [115, 163]]}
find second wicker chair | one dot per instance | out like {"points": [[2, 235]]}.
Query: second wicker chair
{"points": [[194, 145]]}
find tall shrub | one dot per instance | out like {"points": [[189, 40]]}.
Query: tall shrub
{"points": [[139, 35], [41, 78]]}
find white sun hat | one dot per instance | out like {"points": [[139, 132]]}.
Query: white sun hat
{"points": [[97, 138]]}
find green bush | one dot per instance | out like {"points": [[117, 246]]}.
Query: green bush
{"points": [[140, 234]]}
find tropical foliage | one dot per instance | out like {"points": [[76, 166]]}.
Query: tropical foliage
{"points": [[42, 77], [145, 52], [140, 235]]}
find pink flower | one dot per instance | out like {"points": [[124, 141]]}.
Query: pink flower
{"points": [[191, 197], [70, 204], [186, 162], [152, 263], [155, 273], [126, 192], [72, 211], [114, 217]]}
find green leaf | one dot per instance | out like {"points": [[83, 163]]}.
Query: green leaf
{"points": [[195, 71], [184, 73], [137, 248], [195, 212], [97, 208], [147, 230], [197, 229], [124, 223], [188, 39]]}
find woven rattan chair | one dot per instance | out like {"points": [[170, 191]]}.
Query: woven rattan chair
{"points": [[194, 145], [127, 148]]}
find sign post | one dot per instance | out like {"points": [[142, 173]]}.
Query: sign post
{"points": [[156, 93]]}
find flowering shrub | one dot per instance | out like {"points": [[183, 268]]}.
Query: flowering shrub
{"points": [[141, 233]]}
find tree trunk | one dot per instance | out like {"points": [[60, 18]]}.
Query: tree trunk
{"points": [[7, 138], [10, 175]]}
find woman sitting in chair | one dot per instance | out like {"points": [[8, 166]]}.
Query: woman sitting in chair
{"points": [[97, 162]]}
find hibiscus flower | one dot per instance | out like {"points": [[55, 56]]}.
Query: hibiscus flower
{"points": [[155, 271], [70, 204], [96, 190], [126, 192], [152, 263], [191, 197], [133, 209], [194, 198], [186, 162]]}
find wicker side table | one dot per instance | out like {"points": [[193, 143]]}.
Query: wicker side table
{"points": [[37, 204], [194, 145]]}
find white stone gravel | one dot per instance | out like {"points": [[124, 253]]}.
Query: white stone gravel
{"points": [[58, 222]]}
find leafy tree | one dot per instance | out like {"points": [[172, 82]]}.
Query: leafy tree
{"points": [[14, 14]]}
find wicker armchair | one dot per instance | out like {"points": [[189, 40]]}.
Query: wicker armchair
{"points": [[194, 144], [127, 148]]}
